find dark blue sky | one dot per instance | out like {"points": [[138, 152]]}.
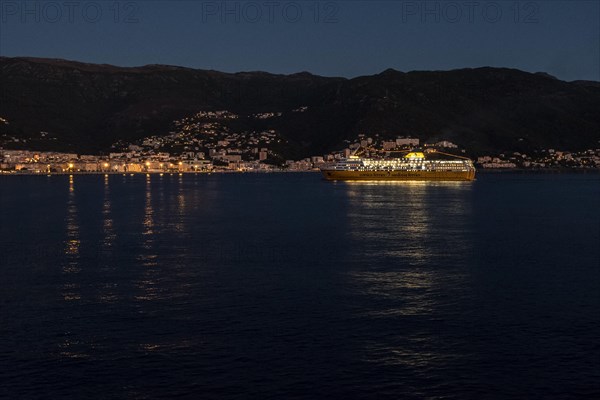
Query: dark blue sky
{"points": [[348, 38]]}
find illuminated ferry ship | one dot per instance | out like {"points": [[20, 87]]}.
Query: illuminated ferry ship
{"points": [[413, 166]]}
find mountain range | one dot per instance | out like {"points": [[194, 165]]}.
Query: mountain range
{"points": [[87, 107]]}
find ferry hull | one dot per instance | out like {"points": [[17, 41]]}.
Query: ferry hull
{"points": [[333, 175]]}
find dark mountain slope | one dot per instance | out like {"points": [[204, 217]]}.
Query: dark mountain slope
{"points": [[88, 107]]}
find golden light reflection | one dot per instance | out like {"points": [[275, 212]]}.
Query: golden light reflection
{"points": [[71, 292], [148, 213], [180, 213], [412, 286], [401, 216], [149, 283], [415, 353], [107, 221], [72, 243], [108, 293], [410, 240], [71, 348], [180, 344], [149, 347], [460, 185]]}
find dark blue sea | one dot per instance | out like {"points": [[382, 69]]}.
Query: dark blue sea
{"points": [[285, 286]]}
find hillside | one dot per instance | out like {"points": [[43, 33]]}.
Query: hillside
{"points": [[88, 107]]}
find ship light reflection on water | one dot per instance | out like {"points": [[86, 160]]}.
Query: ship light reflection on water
{"points": [[148, 284], [410, 241], [71, 267]]}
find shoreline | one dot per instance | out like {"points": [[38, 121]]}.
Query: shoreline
{"points": [[479, 171], [19, 173]]}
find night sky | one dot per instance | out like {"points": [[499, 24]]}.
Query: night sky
{"points": [[347, 39]]}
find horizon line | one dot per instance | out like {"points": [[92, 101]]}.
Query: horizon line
{"points": [[64, 60]]}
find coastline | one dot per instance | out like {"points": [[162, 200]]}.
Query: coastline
{"points": [[29, 173], [479, 171]]}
